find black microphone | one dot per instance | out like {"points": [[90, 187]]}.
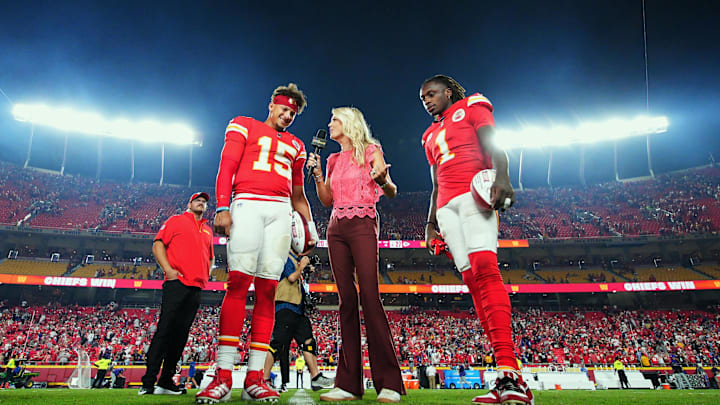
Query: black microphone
{"points": [[318, 141]]}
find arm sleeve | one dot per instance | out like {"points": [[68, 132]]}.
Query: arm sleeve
{"points": [[298, 172], [480, 116], [166, 232], [235, 138]]}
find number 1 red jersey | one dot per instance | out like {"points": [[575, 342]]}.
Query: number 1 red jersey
{"points": [[258, 162], [452, 143]]}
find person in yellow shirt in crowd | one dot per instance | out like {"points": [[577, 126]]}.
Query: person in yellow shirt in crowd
{"points": [[488, 360], [102, 365], [620, 370], [9, 372], [10, 366], [645, 360], [299, 367]]}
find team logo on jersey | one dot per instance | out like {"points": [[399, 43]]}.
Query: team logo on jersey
{"points": [[458, 115], [296, 144]]}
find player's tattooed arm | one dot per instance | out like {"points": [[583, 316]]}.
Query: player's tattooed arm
{"points": [[431, 227]]}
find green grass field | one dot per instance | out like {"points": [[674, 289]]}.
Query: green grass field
{"points": [[129, 396]]}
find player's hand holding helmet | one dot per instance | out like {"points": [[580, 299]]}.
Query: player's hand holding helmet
{"points": [[314, 238], [502, 194], [304, 234], [492, 192]]}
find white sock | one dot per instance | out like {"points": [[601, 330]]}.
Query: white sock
{"points": [[256, 359], [226, 357]]}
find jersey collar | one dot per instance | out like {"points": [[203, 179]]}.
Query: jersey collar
{"points": [[448, 111]]}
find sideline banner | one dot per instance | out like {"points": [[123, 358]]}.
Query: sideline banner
{"points": [[404, 244], [57, 281]]}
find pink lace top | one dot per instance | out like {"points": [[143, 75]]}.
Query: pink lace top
{"points": [[354, 191]]}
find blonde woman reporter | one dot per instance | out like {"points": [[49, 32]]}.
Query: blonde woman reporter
{"points": [[356, 178]]}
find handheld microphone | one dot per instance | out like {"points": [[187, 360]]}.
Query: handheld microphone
{"points": [[318, 141]]}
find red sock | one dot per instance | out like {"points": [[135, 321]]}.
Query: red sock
{"points": [[474, 286], [495, 303], [263, 318], [225, 375], [232, 311]]}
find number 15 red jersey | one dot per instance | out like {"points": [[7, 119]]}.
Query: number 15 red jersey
{"points": [[452, 143], [258, 162]]}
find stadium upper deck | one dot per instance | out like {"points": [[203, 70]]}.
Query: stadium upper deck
{"points": [[672, 204]]}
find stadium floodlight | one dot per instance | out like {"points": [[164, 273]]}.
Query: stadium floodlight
{"points": [[589, 132], [68, 119]]}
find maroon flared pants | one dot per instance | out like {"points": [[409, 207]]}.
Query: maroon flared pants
{"points": [[353, 249]]}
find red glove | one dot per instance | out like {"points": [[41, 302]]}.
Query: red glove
{"points": [[439, 247]]}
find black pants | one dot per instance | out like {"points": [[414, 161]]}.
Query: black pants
{"points": [[99, 377], [177, 313], [288, 326], [623, 379]]}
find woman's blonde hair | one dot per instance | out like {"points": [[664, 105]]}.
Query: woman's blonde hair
{"points": [[357, 130]]}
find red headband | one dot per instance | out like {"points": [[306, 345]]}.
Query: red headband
{"points": [[286, 101]]}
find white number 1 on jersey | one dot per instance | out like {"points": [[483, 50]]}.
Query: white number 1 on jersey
{"points": [[443, 146], [282, 164]]}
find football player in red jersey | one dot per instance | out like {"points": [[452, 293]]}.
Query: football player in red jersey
{"points": [[458, 144], [261, 167]]}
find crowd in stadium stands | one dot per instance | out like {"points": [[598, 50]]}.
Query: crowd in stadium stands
{"points": [[670, 204], [50, 334], [129, 271], [75, 202], [411, 271]]}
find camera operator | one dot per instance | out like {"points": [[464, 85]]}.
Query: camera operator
{"points": [[293, 305]]}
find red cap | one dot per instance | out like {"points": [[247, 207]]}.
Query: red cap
{"points": [[198, 195], [287, 101]]}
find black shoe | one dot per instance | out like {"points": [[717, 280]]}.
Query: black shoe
{"points": [[146, 390], [283, 388], [169, 389]]}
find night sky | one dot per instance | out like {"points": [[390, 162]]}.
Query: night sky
{"points": [[203, 63]]}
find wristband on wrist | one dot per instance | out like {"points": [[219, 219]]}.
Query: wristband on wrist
{"points": [[221, 209], [431, 222]]}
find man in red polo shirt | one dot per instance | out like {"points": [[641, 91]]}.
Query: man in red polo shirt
{"points": [[183, 249]]}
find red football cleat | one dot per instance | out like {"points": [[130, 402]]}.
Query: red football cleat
{"points": [[219, 389], [256, 389], [491, 398]]}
